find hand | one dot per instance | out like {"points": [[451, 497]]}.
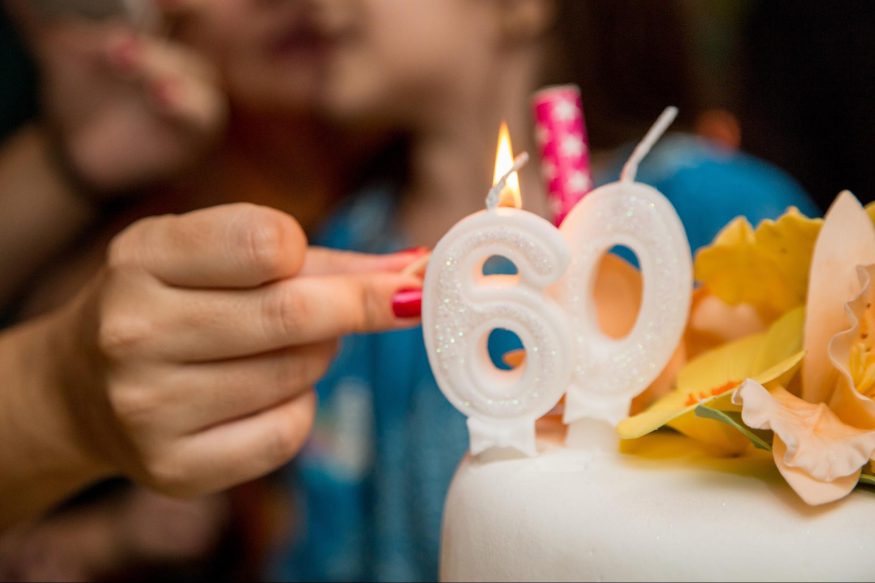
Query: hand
{"points": [[125, 108], [192, 358]]}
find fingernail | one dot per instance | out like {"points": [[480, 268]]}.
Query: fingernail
{"points": [[407, 303], [413, 251], [417, 265]]}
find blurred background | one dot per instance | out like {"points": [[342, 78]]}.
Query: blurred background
{"points": [[796, 78], [790, 82]]}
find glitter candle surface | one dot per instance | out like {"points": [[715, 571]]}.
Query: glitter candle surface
{"points": [[548, 304], [461, 306], [561, 133]]}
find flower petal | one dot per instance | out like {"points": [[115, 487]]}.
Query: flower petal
{"points": [[767, 357], [811, 490], [713, 322], [766, 268], [851, 353], [846, 240], [818, 443]]}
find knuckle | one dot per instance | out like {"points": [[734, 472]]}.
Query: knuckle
{"points": [[371, 309], [285, 309], [123, 328], [292, 373], [300, 369], [282, 444], [168, 476], [125, 248], [263, 242], [122, 335], [272, 241], [325, 357], [119, 250], [133, 407], [353, 318]]}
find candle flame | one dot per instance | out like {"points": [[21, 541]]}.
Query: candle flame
{"points": [[510, 194]]}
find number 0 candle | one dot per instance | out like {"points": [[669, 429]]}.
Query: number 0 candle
{"points": [[608, 372]]}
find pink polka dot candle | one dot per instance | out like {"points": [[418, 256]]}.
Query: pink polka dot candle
{"points": [[561, 133]]}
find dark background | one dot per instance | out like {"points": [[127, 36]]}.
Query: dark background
{"points": [[799, 75]]}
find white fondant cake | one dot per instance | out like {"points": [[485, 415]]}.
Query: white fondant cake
{"points": [[668, 511]]}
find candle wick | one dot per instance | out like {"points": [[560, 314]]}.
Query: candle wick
{"points": [[494, 196], [630, 170]]}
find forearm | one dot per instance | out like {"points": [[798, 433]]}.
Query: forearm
{"points": [[41, 457], [40, 211]]}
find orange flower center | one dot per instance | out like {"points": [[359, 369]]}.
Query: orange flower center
{"points": [[698, 397], [862, 358]]}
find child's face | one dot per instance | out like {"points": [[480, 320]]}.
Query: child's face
{"points": [[361, 60]]}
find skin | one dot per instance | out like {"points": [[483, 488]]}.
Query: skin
{"points": [[187, 361], [314, 87], [445, 72], [188, 364]]}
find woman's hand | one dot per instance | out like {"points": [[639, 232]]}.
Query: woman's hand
{"points": [[206, 335], [126, 108], [189, 364]]}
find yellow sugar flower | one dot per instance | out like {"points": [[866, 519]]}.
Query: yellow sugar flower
{"points": [[770, 357]]}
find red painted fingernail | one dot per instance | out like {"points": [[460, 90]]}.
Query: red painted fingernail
{"points": [[413, 251], [407, 303]]}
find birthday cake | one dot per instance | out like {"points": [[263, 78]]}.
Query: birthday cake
{"points": [[666, 511], [721, 433], [770, 402]]}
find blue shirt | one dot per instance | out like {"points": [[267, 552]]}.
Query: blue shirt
{"points": [[370, 485]]}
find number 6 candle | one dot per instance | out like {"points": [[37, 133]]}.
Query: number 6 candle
{"points": [[461, 307]]}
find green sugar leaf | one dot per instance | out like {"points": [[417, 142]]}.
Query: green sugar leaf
{"points": [[759, 439]]}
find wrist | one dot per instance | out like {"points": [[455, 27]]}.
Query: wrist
{"points": [[42, 459], [73, 397]]}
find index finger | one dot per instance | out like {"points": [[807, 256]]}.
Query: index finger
{"points": [[231, 246], [208, 325], [324, 261]]}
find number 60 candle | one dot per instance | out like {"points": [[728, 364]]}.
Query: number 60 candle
{"points": [[564, 348]]}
